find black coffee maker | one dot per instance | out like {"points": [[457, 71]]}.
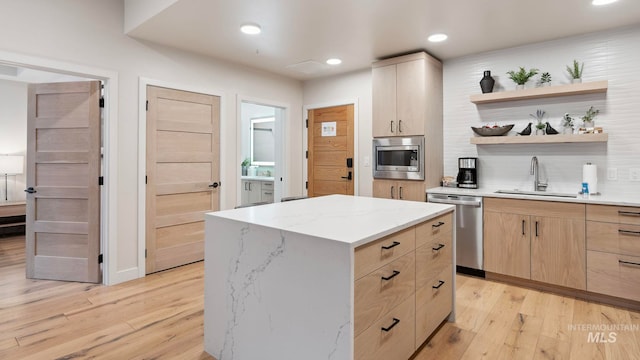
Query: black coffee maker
{"points": [[468, 173]]}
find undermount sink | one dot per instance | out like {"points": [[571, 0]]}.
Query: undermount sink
{"points": [[536, 193]]}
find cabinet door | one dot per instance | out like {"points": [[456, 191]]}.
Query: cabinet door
{"points": [[506, 244], [411, 97], [385, 189], [384, 101], [411, 190], [558, 251]]}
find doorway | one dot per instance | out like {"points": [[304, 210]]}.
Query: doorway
{"points": [[24, 69], [330, 156], [261, 152]]}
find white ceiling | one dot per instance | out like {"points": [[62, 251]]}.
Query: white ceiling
{"points": [[361, 31]]}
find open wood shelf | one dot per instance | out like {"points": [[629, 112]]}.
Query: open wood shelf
{"points": [[539, 139], [542, 92]]}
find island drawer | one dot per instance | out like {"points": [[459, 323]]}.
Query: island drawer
{"points": [[612, 274], [391, 337], [432, 258], [614, 214], [433, 304], [615, 238], [430, 230], [377, 253], [382, 290]]}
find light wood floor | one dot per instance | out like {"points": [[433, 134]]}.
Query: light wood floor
{"points": [[160, 317]]}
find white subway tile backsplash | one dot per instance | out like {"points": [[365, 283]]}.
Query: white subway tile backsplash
{"points": [[611, 55]]}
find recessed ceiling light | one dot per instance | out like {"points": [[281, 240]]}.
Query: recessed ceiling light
{"points": [[251, 29], [437, 37], [602, 2], [334, 61]]}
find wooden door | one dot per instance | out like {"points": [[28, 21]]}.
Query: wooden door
{"points": [[183, 168], [330, 144], [558, 251], [507, 244], [384, 101], [63, 170]]}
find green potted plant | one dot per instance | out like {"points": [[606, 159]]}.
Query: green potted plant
{"points": [[245, 165], [540, 126], [567, 124], [545, 79], [589, 117], [521, 76], [575, 72]]}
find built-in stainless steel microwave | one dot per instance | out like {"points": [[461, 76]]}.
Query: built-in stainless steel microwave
{"points": [[398, 158]]}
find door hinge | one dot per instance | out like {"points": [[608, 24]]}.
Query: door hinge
{"points": [[306, 185], [147, 106], [306, 154], [101, 102], [100, 259], [306, 124], [101, 180]]}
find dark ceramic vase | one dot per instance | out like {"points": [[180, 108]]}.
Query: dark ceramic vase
{"points": [[487, 82]]}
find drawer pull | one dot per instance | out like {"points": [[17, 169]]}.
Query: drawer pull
{"points": [[394, 244], [440, 246], [628, 263], [628, 213], [440, 283], [387, 278], [395, 322], [523, 223], [440, 223], [536, 229], [629, 232]]}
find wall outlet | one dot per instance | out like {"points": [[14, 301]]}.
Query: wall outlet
{"points": [[634, 174], [612, 174]]}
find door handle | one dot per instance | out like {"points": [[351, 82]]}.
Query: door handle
{"points": [[399, 126], [392, 192], [214, 185], [400, 193], [30, 190], [391, 126], [348, 177]]}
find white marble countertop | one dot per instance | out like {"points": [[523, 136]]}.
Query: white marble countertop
{"points": [[603, 199], [261, 178], [354, 220]]}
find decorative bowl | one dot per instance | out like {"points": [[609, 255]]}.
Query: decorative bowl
{"points": [[492, 131]]}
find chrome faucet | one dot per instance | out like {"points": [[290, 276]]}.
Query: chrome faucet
{"points": [[537, 185]]}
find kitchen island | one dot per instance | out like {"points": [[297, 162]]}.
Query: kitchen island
{"points": [[333, 277]]}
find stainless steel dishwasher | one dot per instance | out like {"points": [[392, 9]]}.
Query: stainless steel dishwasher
{"points": [[469, 244]]}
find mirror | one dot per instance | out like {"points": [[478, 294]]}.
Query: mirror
{"points": [[263, 141]]}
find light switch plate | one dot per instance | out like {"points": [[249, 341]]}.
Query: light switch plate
{"points": [[634, 174], [366, 161], [612, 174]]}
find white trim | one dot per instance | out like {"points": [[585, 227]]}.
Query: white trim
{"points": [[108, 208], [280, 131], [356, 162], [142, 155]]}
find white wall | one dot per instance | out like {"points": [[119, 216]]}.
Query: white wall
{"points": [[91, 33], [13, 133], [336, 90], [611, 55]]}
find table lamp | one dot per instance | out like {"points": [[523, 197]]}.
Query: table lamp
{"points": [[10, 165]]}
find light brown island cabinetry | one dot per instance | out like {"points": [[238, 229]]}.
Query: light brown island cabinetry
{"points": [[399, 190], [613, 251], [403, 289], [536, 240]]}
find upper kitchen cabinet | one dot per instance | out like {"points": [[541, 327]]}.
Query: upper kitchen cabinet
{"points": [[407, 96]]}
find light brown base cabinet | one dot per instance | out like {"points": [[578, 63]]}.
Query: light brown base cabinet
{"points": [[537, 240], [613, 251], [399, 190], [403, 289]]}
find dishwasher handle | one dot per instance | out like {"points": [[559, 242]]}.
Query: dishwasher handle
{"points": [[476, 203]]}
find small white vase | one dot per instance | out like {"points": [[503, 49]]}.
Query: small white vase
{"points": [[519, 87], [539, 131], [567, 130], [576, 81], [589, 124]]}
